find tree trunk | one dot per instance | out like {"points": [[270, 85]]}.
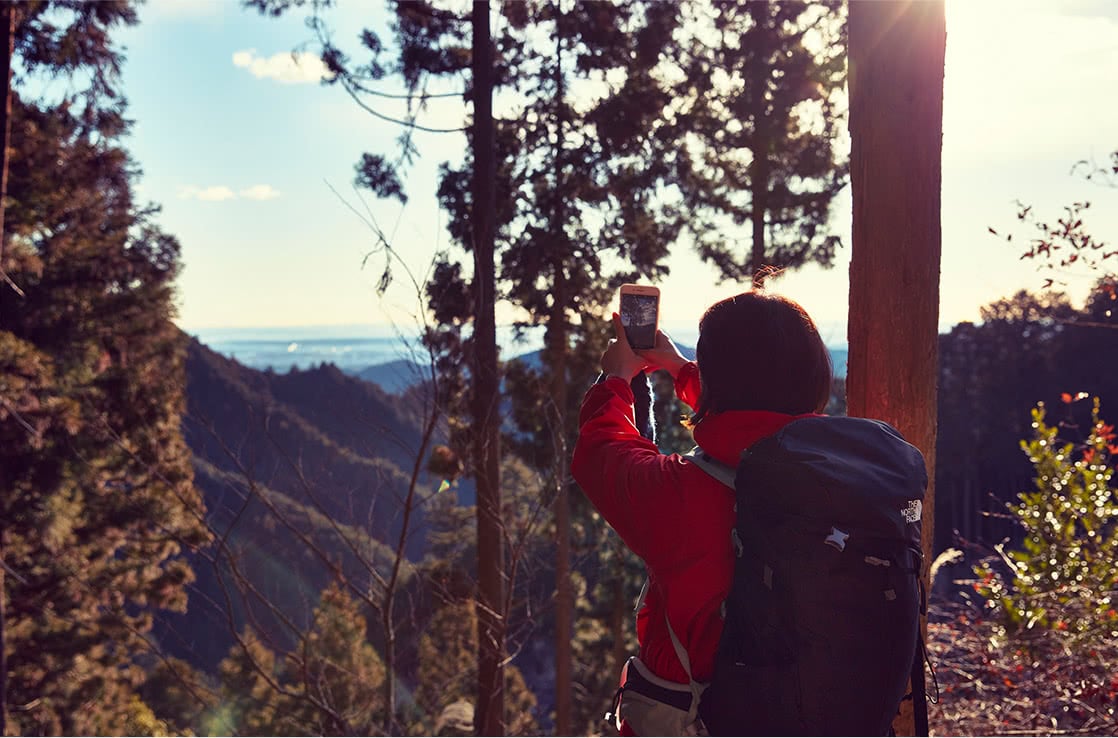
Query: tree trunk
{"points": [[7, 40], [760, 190], [759, 167], [564, 597], [558, 348], [3, 646], [490, 717], [896, 127]]}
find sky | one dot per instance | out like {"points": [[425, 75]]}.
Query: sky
{"points": [[252, 160]]}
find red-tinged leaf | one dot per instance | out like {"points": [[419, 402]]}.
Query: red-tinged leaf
{"points": [[1065, 397]]}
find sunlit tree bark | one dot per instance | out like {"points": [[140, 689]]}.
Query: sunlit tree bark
{"points": [[896, 125]]}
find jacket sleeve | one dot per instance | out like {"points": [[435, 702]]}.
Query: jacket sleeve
{"points": [[687, 387], [632, 485]]}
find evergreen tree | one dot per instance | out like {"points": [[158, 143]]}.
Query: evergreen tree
{"points": [[251, 701], [337, 667], [96, 502], [577, 184], [182, 696], [758, 127], [448, 672], [330, 683]]}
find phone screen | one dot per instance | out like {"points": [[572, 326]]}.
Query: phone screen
{"points": [[638, 316]]}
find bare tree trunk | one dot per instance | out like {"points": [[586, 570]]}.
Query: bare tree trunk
{"points": [[490, 718], [759, 167], [3, 646], [759, 185], [7, 39], [896, 126], [558, 345], [564, 597]]}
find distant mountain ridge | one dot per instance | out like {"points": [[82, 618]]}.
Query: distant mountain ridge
{"points": [[302, 429], [303, 474], [384, 357], [397, 376]]}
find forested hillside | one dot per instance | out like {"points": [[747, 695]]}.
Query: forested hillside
{"points": [[327, 440]]}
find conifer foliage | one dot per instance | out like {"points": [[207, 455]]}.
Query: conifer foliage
{"points": [[97, 506], [759, 126], [331, 684]]}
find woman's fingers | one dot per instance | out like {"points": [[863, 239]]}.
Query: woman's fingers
{"points": [[619, 330]]}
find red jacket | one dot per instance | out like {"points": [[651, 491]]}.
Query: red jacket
{"points": [[671, 513]]}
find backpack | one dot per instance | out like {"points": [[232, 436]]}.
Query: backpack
{"points": [[822, 622]]}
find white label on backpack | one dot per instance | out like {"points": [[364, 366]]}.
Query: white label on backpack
{"points": [[913, 512], [837, 539]]}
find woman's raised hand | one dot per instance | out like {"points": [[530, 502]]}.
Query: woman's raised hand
{"points": [[664, 355], [619, 360]]}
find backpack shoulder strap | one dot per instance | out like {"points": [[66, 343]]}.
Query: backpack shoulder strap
{"points": [[724, 473]]}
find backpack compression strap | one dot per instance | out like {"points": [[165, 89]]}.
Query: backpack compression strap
{"points": [[722, 472]]}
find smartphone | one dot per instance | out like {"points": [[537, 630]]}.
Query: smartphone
{"points": [[640, 314]]}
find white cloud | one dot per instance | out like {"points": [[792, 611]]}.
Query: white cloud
{"points": [[217, 193], [260, 192], [288, 68]]}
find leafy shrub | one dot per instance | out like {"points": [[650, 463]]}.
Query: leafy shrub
{"points": [[1038, 653]]}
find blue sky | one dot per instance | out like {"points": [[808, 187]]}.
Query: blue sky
{"points": [[241, 149]]}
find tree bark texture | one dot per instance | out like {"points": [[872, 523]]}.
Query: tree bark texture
{"points": [[559, 348], [564, 593], [7, 40], [896, 124], [759, 167], [489, 718]]}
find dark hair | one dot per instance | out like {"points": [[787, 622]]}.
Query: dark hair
{"points": [[758, 351]]}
